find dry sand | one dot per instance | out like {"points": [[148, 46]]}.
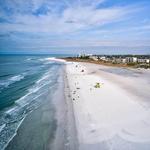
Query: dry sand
{"points": [[111, 117]]}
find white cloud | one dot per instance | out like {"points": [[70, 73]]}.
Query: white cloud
{"points": [[76, 17]]}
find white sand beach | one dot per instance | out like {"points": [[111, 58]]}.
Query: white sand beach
{"points": [[112, 116]]}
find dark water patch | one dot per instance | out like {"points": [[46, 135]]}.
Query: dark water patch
{"points": [[15, 91], [5, 75]]}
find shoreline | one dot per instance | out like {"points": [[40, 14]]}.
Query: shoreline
{"points": [[71, 120], [66, 128], [83, 117], [40, 125], [55, 117]]}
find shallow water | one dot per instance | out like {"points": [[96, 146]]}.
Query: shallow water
{"points": [[26, 83]]}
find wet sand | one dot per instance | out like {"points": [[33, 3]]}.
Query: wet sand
{"points": [[51, 126]]}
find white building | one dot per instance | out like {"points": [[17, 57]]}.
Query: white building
{"points": [[117, 60], [94, 58], [131, 59], [148, 61], [84, 55], [134, 59], [123, 60], [103, 58], [140, 60]]}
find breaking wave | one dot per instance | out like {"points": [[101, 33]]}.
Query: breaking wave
{"points": [[5, 83]]}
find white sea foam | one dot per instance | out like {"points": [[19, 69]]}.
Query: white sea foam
{"points": [[43, 81], [10, 110], [25, 103], [11, 80], [54, 59], [14, 133], [2, 127], [16, 78], [28, 59], [43, 78]]}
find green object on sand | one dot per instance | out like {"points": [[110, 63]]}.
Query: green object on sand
{"points": [[97, 85]]}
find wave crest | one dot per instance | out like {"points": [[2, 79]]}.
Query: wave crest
{"points": [[11, 80]]}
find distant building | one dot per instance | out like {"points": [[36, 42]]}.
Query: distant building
{"points": [[140, 60], [148, 61], [131, 59], [117, 60], [134, 59], [123, 60], [103, 58], [84, 55], [94, 58]]}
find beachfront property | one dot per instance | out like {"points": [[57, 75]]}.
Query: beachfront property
{"points": [[131, 59], [143, 60], [84, 55], [126, 59], [118, 59], [94, 58]]}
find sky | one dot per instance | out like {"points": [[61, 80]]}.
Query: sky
{"points": [[75, 26]]}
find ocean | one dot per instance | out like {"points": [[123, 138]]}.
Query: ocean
{"points": [[26, 82]]}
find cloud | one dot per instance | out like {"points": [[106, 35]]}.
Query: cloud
{"points": [[75, 17], [72, 22]]}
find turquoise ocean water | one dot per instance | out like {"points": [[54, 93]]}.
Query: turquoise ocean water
{"points": [[24, 81]]}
